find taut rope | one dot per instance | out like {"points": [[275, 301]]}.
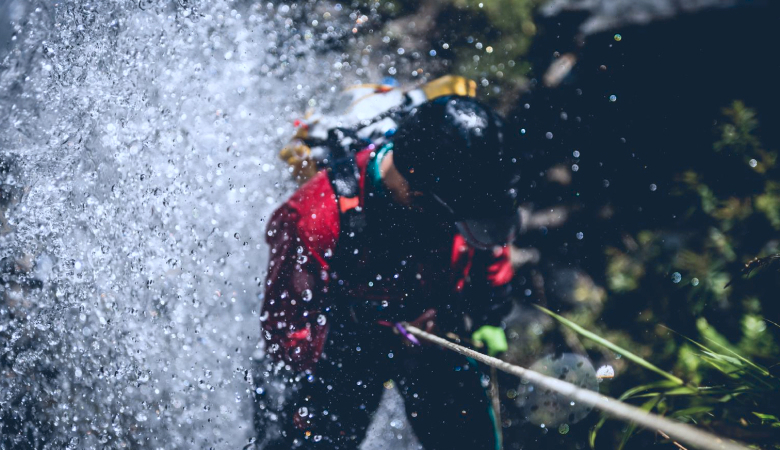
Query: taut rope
{"points": [[675, 430]]}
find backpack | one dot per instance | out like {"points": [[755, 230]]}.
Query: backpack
{"points": [[364, 114]]}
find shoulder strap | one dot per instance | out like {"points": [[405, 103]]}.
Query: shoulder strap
{"points": [[344, 176]]}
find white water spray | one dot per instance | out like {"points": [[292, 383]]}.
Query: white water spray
{"points": [[138, 144]]}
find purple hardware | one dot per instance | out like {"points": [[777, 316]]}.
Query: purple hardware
{"points": [[406, 334]]}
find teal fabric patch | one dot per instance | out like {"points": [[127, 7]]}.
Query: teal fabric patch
{"points": [[374, 166], [497, 436]]}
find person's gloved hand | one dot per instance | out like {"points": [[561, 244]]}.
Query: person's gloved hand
{"points": [[298, 155], [493, 338]]}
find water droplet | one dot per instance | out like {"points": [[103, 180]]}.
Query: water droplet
{"points": [[321, 320], [653, 187], [618, 38], [564, 428], [580, 235], [605, 372], [676, 277], [753, 163], [307, 295], [695, 281], [613, 98]]}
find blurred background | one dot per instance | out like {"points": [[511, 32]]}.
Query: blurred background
{"points": [[138, 162]]}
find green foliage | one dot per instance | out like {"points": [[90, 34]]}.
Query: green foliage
{"points": [[729, 225], [615, 348], [729, 390], [483, 40], [743, 393], [505, 40], [690, 278], [738, 136]]}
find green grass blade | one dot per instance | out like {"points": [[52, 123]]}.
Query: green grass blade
{"points": [[594, 431], [679, 391], [599, 340], [695, 410], [742, 358], [631, 393], [768, 419], [647, 387]]}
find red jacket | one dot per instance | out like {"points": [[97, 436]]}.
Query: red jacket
{"points": [[302, 282]]}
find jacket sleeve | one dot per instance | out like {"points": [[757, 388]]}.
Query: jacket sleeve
{"points": [[488, 292], [295, 291]]}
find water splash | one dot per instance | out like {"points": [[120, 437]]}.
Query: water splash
{"points": [[139, 148]]}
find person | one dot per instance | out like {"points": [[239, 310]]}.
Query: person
{"points": [[416, 231]]}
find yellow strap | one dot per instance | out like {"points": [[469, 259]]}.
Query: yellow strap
{"points": [[450, 85]]}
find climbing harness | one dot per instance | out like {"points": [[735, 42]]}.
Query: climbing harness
{"points": [[675, 430]]}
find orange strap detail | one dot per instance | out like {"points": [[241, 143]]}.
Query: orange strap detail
{"points": [[347, 203]]}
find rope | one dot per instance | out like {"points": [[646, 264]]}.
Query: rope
{"points": [[675, 430]]}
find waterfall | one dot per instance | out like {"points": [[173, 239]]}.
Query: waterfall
{"points": [[138, 165]]}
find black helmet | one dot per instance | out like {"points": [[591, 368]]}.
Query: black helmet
{"points": [[452, 148]]}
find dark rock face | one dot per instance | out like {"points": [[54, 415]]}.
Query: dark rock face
{"points": [[640, 103]]}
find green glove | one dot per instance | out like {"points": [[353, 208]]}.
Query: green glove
{"points": [[493, 338]]}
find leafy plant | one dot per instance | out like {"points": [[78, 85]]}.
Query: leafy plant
{"points": [[741, 398]]}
